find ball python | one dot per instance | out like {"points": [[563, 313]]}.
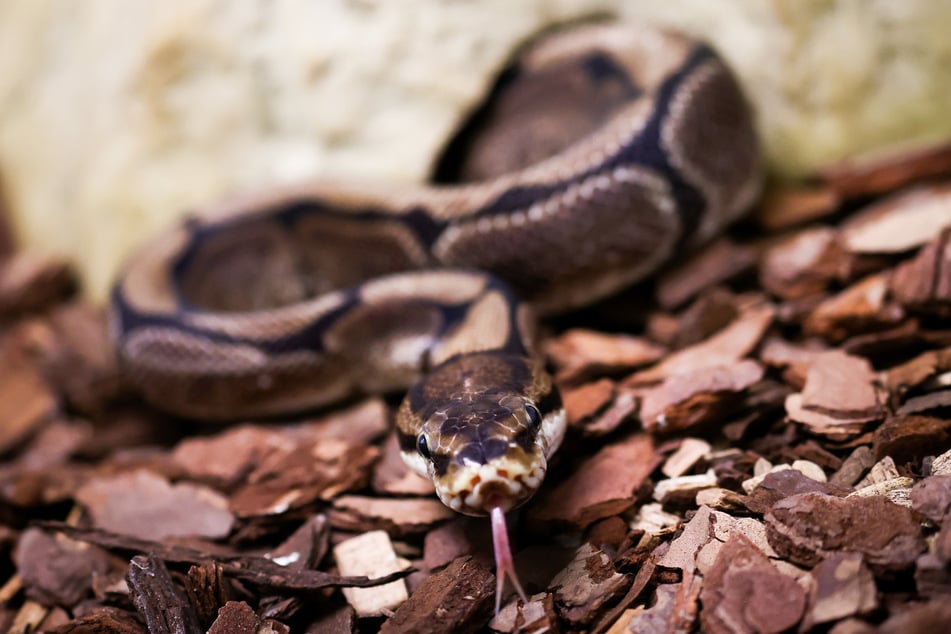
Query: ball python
{"points": [[607, 150]]}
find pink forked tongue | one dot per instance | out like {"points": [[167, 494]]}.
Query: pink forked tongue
{"points": [[504, 565]]}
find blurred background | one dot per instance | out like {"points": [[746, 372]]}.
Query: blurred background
{"points": [[117, 116]]}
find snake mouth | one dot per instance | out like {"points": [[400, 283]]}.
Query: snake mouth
{"points": [[476, 490]]}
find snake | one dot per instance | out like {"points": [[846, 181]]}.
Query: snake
{"points": [[605, 151]]}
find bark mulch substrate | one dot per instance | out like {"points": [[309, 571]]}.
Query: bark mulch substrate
{"points": [[768, 452]]}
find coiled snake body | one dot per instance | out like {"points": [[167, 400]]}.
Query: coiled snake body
{"points": [[611, 148]]}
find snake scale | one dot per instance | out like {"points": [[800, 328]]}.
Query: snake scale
{"points": [[608, 149]]}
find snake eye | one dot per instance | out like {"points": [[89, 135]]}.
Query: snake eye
{"points": [[534, 416], [422, 446]]}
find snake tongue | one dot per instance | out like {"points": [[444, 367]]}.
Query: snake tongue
{"points": [[504, 564]]}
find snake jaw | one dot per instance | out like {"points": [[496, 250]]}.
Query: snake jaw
{"points": [[502, 483]]}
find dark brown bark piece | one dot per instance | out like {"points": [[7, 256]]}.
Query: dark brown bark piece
{"points": [[854, 467], [580, 354], [601, 487], [888, 170], [398, 517], [207, 590], [919, 618], [781, 484], [235, 617], [26, 401], [718, 262], [306, 547], [295, 477], [842, 586], [744, 592], [803, 264], [392, 476], [840, 397], [687, 400], [586, 401], [586, 586], [341, 621], [30, 283], [460, 536], [808, 527], [901, 222], [724, 348], [932, 498], [103, 620], [791, 205], [145, 504], [918, 370], [713, 310], [908, 439], [923, 283], [162, 604], [58, 571], [456, 599], [862, 307], [255, 571]]}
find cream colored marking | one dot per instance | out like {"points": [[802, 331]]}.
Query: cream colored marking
{"points": [[444, 287], [485, 327], [147, 284], [266, 324]]}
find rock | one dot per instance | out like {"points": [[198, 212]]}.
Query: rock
{"points": [[298, 89]]}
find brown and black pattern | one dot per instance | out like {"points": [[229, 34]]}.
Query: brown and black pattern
{"points": [[602, 151]]}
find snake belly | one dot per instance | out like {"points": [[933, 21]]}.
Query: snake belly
{"points": [[614, 147]]}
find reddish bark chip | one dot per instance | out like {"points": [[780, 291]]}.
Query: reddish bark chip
{"points": [[459, 536], [782, 484], [924, 283], [535, 617], [724, 348], [226, 458], [456, 599], [718, 262], [586, 401], [842, 586], [318, 469], [901, 222], [602, 486], [586, 586], [908, 439], [809, 527], [26, 401], [306, 546], [580, 354], [398, 517], [803, 264], [840, 398], [862, 307], [235, 617], [913, 373], [30, 282], [711, 312], [391, 475], [932, 498], [79, 360], [687, 400], [147, 506], [744, 592], [888, 170], [919, 618], [788, 206], [57, 570]]}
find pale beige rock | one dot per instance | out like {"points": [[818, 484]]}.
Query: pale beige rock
{"points": [[371, 554], [117, 116]]}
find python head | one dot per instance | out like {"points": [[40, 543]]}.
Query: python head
{"points": [[482, 426]]}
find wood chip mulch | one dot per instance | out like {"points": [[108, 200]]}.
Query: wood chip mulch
{"points": [[760, 441]]}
